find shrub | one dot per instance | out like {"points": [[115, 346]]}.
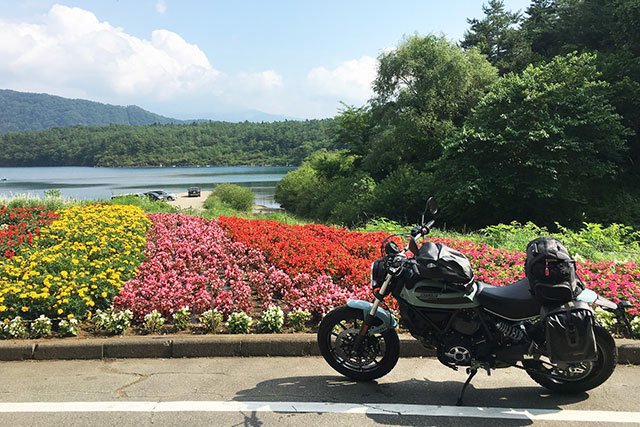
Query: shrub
{"points": [[298, 318], [68, 327], [16, 328], [593, 241], [237, 197], [210, 319], [635, 326], [272, 320], [182, 318], [144, 203], [239, 323], [214, 207], [41, 327], [24, 201], [115, 322], [153, 322]]}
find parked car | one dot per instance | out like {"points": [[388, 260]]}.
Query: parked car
{"points": [[163, 195], [154, 195], [193, 192]]}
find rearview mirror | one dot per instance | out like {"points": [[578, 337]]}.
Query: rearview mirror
{"points": [[431, 207]]}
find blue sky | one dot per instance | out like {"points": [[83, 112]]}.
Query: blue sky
{"points": [[204, 59]]}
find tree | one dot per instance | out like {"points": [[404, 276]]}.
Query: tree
{"points": [[498, 36], [608, 28], [541, 146], [423, 91], [354, 129]]}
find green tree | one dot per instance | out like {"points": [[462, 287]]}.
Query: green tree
{"points": [[354, 129], [298, 190], [498, 36], [541, 146], [608, 28], [423, 91]]}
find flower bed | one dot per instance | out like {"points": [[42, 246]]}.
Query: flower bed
{"points": [[316, 250], [99, 256], [18, 227], [311, 249], [190, 261], [76, 265]]}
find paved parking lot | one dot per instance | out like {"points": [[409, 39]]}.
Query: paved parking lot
{"points": [[290, 391]]}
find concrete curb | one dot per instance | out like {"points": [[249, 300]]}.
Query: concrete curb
{"points": [[211, 346]]}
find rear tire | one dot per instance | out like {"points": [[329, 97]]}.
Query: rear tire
{"points": [[595, 373], [336, 334]]}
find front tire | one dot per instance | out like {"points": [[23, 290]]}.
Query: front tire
{"points": [[573, 381], [336, 336]]}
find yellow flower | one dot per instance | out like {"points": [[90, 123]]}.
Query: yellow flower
{"points": [[24, 309], [60, 311], [103, 295]]}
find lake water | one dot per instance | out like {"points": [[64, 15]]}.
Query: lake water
{"points": [[102, 183]]}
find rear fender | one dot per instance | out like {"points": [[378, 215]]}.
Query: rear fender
{"points": [[590, 297], [388, 322]]}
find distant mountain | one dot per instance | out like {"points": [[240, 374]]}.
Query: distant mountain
{"points": [[237, 116], [22, 112]]}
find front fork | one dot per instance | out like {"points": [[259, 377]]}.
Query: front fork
{"points": [[371, 315]]}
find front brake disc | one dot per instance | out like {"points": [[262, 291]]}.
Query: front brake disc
{"points": [[344, 348]]}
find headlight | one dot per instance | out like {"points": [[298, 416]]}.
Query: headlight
{"points": [[378, 273]]}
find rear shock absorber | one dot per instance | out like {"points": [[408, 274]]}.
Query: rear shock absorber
{"points": [[510, 331]]}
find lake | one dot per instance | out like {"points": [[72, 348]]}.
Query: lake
{"points": [[102, 183]]}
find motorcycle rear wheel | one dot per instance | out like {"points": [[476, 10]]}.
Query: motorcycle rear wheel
{"points": [[336, 336], [593, 373]]}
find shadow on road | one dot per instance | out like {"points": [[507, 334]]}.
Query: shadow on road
{"points": [[415, 392]]}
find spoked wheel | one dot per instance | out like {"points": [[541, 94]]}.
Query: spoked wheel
{"points": [[578, 377], [377, 355]]}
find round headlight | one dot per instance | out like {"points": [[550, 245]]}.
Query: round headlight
{"points": [[378, 273], [371, 276]]}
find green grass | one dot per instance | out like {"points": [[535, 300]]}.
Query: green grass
{"points": [[30, 201], [596, 242], [144, 203]]}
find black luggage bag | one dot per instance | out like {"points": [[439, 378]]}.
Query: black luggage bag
{"points": [[569, 332], [551, 272]]}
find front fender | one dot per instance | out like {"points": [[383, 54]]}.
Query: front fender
{"points": [[388, 322]]}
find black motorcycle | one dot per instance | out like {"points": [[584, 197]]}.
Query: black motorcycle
{"points": [[468, 323]]}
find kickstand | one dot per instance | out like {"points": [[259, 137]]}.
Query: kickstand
{"points": [[472, 372]]}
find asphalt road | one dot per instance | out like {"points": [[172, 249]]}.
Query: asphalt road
{"points": [[289, 391]]}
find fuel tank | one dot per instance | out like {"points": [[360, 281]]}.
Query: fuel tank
{"points": [[436, 294]]}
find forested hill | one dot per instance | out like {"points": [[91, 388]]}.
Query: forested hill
{"points": [[21, 111], [205, 143]]}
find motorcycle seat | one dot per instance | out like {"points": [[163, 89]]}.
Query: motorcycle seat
{"points": [[514, 302]]}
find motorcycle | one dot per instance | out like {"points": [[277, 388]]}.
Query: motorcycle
{"points": [[468, 323]]}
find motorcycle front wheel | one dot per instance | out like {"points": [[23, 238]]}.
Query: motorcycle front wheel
{"points": [[377, 355], [578, 377]]}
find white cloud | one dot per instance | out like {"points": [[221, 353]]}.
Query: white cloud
{"points": [[161, 7], [70, 52], [72, 48], [351, 80], [258, 82]]}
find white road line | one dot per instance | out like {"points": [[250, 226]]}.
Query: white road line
{"points": [[325, 407]]}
